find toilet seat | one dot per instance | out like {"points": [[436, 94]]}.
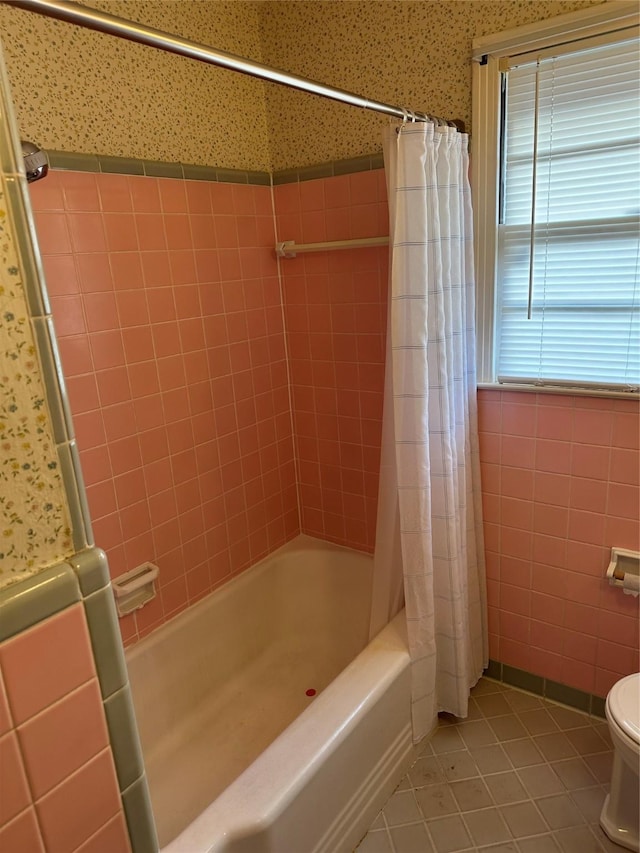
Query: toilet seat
{"points": [[623, 703]]}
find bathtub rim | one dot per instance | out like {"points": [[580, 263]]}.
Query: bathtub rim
{"points": [[357, 688]]}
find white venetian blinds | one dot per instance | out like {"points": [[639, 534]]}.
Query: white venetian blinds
{"points": [[569, 248]]}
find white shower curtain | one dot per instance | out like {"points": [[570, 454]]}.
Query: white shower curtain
{"points": [[435, 416]]}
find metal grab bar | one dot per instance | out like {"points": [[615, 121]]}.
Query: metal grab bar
{"points": [[289, 248]]}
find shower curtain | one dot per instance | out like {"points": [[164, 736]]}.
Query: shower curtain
{"points": [[434, 422]]}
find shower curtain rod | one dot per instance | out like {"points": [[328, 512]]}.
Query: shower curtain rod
{"points": [[103, 22]]}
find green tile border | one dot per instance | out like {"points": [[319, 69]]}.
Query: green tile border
{"points": [[308, 173], [353, 164], [83, 503], [92, 568], [123, 734], [73, 162], [108, 653], [260, 179], [290, 176], [567, 695], [29, 601], [106, 641], [32, 600], [494, 670], [74, 490], [120, 165], [24, 234], [193, 172], [157, 170], [46, 347], [523, 680], [139, 815], [598, 707], [366, 163], [100, 163], [545, 687], [232, 176]]}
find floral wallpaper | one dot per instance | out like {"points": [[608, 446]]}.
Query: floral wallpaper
{"points": [[34, 522], [82, 91], [409, 53]]}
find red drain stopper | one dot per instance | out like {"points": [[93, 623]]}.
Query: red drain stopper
{"points": [[310, 692]]}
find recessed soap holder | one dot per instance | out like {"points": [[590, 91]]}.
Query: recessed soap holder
{"points": [[134, 589]]}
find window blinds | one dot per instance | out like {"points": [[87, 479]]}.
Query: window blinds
{"points": [[568, 235]]}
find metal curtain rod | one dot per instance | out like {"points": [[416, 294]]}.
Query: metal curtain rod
{"points": [[103, 22]]}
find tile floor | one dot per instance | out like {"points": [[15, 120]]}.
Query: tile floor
{"points": [[520, 775]]}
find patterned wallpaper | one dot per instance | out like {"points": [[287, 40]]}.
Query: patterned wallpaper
{"points": [[83, 91], [34, 522], [412, 53], [77, 90]]}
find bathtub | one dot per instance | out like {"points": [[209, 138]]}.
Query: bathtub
{"points": [[239, 758]]}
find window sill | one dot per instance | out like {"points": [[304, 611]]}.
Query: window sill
{"points": [[565, 392]]}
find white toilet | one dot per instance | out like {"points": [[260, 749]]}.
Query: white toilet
{"points": [[620, 816]]}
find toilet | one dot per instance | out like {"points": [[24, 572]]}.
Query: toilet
{"points": [[621, 810]]}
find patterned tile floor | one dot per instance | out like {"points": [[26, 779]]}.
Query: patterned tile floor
{"points": [[519, 775]]}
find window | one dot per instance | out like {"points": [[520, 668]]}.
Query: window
{"points": [[556, 174]]}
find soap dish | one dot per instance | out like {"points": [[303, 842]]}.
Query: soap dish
{"points": [[134, 589]]}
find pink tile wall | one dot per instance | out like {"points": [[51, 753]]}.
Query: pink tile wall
{"points": [[560, 486], [167, 308], [58, 787], [155, 324], [560, 474], [335, 307]]}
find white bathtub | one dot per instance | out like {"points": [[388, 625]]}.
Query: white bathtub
{"points": [[239, 759]]}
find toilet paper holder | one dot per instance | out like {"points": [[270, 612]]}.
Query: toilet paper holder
{"points": [[624, 570]]}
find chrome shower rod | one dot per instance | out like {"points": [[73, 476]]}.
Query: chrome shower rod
{"points": [[103, 22]]}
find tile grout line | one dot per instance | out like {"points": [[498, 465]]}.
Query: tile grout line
{"points": [[582, 722]]}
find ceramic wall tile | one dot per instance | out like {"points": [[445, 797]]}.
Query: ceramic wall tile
{"points": [[177, 376]]}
